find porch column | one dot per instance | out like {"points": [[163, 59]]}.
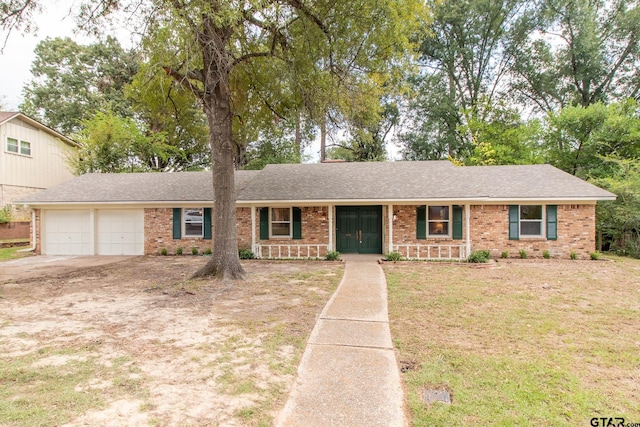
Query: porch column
{"points": [[390, 221], [467, 219], [253, 230], [330, 215]]}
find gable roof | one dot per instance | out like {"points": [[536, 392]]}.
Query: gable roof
{"points": [[6, 116], [343, 183]]}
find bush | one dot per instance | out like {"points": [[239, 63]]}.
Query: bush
{"points": [[6, 215], [194, 251], [479, 256], [332, 256], [207, 251], [179, 251], [523, 254], [573, 255], [163, 251], [595, 255], [246, 254], [393, 256], [546, 254], [504, 254]]}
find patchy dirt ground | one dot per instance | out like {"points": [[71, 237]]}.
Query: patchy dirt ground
{"points": [[136, 343]]}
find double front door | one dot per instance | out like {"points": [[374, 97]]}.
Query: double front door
{"points": [[359, 229]]}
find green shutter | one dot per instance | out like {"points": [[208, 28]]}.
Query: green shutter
{"points": [[264, 224], [206, 223], [177, 223], [297, 223], [552, 222], [421, 222], [457, 223], [514, 222]]}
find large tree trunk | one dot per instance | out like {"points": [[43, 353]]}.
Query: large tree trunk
{"points": [[216, 102]]}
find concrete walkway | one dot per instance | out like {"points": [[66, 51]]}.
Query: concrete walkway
{"points": [[348, 375]]}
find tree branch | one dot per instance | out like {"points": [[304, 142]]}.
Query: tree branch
{"points": [[184, 80]]}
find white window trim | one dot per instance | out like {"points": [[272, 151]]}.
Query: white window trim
{"points": [[542, 221], [449, 223], [290, 236], [184, 225], [19, 144]]}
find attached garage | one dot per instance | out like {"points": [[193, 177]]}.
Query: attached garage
{"points": [[67, 232], [91, 232], [120, 232]]}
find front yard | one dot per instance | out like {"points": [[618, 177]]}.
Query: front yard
{"points": [[519, 343], [530, 342], [135, 343]]}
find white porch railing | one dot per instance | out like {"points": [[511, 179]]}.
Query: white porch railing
{"points": [[432, 252], [287, 251]]}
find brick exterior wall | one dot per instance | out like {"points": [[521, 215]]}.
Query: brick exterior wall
{"points": [[404, 232], [489, 230], [158, 232], [489, 226], [315, 231]]}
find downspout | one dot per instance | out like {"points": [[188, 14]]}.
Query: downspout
{"points": [[33, 231]]}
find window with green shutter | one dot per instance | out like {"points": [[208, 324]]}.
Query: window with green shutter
{"points": [[514, 222], [552, 222], [297, 223], [421, 222], [457, 223], [207, 223], [264, 223], [177, 223]]}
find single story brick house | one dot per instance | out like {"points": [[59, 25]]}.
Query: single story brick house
{"points": [[422, 209]]}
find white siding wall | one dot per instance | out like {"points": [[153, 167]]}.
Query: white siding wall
{"points": [[45, 167]]}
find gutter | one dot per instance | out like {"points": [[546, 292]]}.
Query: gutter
{"points": [[33, 230]]}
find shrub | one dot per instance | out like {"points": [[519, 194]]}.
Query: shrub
{"points": [[595, 255], [6, 214], [479, 256], [573, 255], [546, 254], [179, 251], [194, 251], [523, 254], [332, 256], [504, 254], [393, 256], [246, 254], [163, 251], [207, 251]]}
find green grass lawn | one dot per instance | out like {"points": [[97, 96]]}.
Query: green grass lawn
{"points": [[547, 343], [12, 253]]}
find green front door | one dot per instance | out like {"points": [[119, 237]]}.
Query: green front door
{"points": [[359, 229]]}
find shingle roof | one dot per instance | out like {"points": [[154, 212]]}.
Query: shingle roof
{"points": [[136, 187], [376, 181]]}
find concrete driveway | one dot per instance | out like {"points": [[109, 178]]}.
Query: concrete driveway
{"points": [[45, 265]]}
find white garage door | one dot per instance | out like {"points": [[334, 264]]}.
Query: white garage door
{"points": [[120, 232], [67, 233]]}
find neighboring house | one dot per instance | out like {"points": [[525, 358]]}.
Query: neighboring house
{"points": [[429, 210], [32, 158]]}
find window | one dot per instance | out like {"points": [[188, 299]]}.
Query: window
{"points": [[531, 220], [18, 147], [193, 222], [25, 148], [280, 222], [438, 220]]}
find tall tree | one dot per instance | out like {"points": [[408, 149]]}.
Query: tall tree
{"points": [[465, 57], [211, 40], [584, 52], [72, 81]]}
